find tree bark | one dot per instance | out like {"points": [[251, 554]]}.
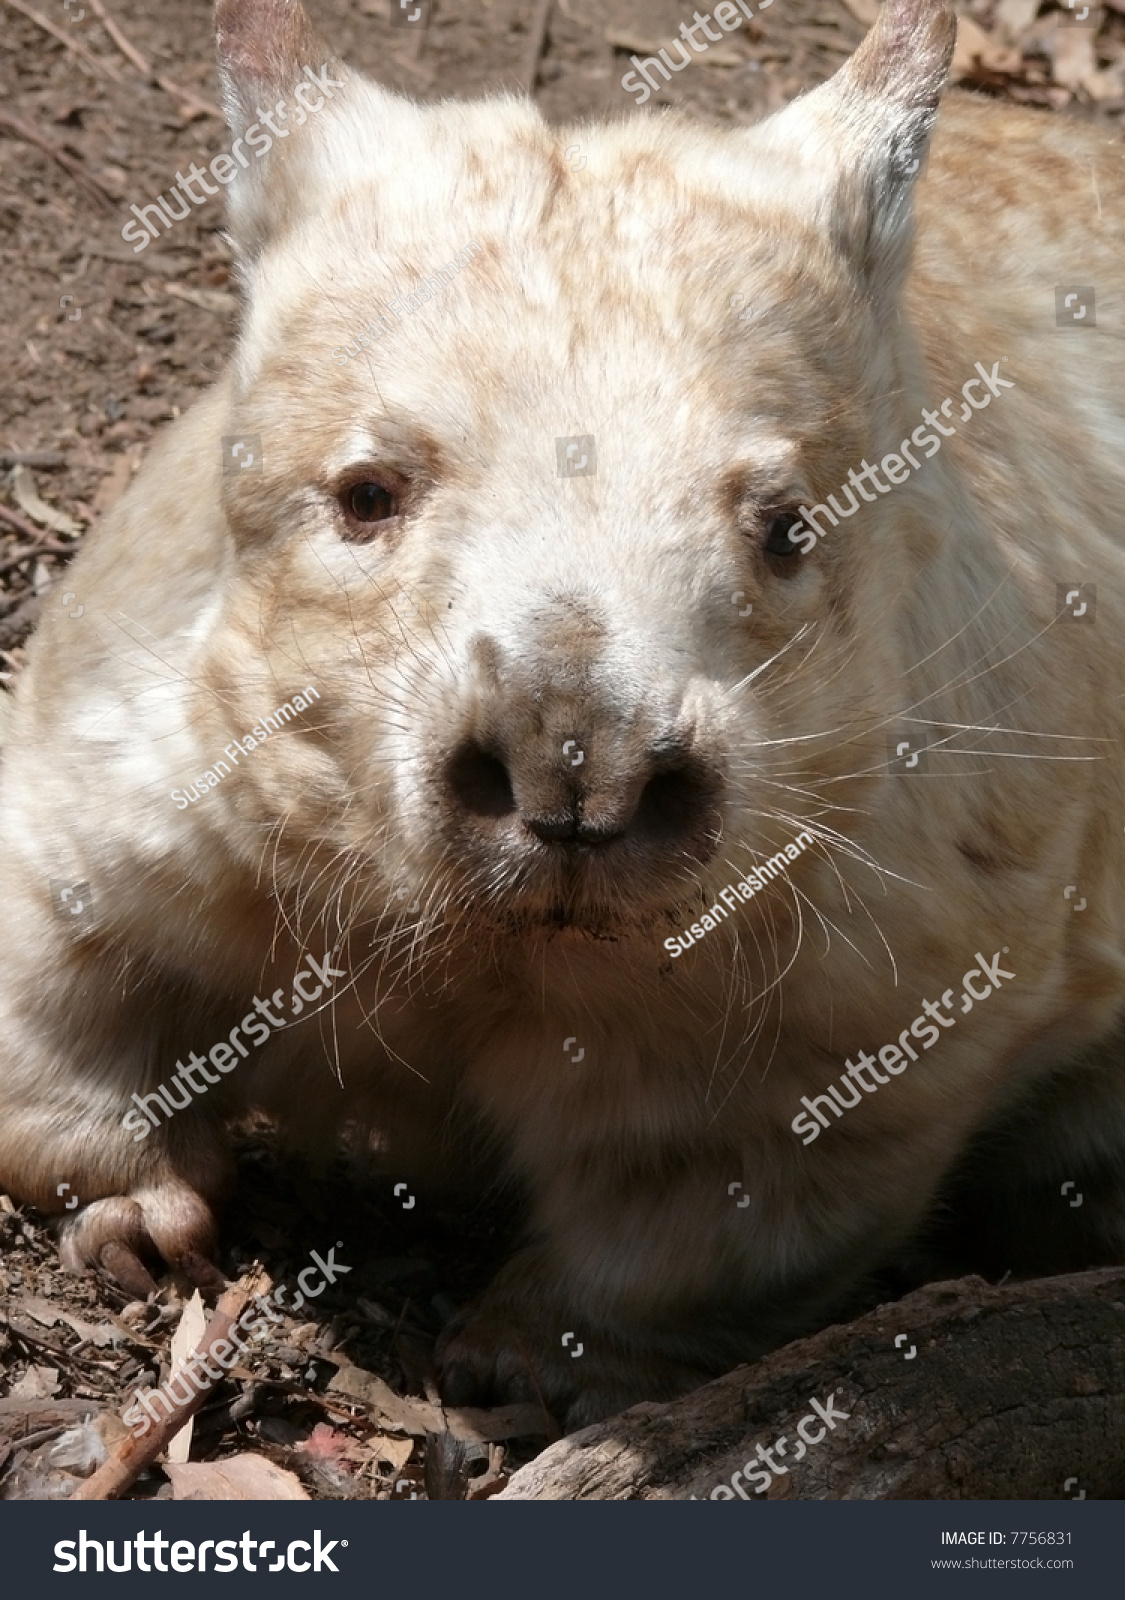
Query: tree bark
{"points": [[1011, 1392]]}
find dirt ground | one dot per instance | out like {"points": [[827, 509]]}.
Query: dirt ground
{"points": [[100, 348]]}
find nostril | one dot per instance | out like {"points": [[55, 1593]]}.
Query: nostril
{"points": [[479, 782], [675, 803]]}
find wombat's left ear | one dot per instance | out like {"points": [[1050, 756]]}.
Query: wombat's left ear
{"points": [[281, 85], [865, 132]]}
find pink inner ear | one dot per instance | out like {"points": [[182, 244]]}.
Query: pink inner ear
{"points": [[265, 42]]}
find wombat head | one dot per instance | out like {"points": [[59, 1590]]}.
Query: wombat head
{"points": [[538, 411]]}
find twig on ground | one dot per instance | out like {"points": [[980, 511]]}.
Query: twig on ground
{"points": [[30, 1440], [186, 97], [44, 459], [537, 43], [44, 547], [128, 50], [20, 523], [17, 617], [411, 56], [23, 130], [138, 1451], [64, 1411], [92, 64]]}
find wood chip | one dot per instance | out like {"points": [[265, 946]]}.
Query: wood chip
{"points": [[21, 1413], [37, 1383]]}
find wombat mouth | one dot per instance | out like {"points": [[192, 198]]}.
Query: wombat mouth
{"points": [[550, 921], [558, 920]]}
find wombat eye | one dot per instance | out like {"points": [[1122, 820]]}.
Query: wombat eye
{"points": [[370, 502], [777, 540]]}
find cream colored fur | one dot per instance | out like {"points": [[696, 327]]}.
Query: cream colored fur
{"points": [[599, 609]]}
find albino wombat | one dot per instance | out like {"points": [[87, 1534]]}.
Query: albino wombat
{"points": [[510, 703]]}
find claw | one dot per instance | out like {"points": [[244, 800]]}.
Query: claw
{"points": [[126, 1269], [202, 1274], [165, 1220]]}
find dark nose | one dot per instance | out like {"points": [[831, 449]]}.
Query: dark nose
{"points": [[662, 796], [571, 829]]}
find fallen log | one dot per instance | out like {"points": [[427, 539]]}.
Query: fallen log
{"points": [[960, 1391]]}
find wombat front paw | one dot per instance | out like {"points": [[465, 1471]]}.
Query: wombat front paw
{"points": [[496, 1353], [166, 1220]]}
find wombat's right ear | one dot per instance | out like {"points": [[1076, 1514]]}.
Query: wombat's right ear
{"points": [[281, 87]]}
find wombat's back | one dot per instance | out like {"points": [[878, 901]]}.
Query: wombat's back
{"points": [[1017, 210]]}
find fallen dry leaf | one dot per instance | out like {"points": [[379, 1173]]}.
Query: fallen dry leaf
{"points": [[407, 1414], [242, 1477], [1013, 18], [47, 1315], [27, 498], [403, 1412], [1106, 85], [189, 1331], [1072, 50], [394, 1452], [976, 52]]}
